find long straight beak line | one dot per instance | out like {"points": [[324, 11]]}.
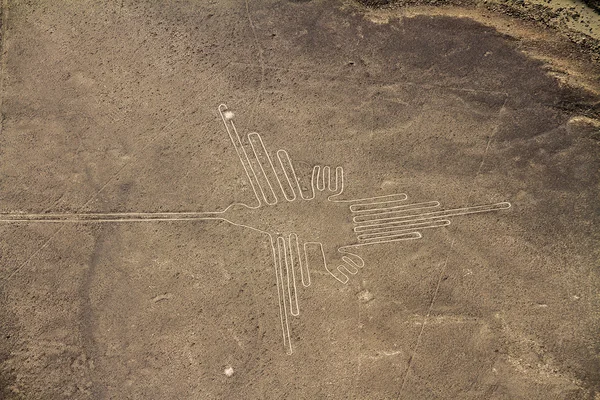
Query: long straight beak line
{"points": [[109, 217]]}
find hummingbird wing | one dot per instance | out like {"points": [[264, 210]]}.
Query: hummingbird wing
{"points": [[270, 181]]}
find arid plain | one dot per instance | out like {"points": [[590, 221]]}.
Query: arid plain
{"points": [[126, 273]]}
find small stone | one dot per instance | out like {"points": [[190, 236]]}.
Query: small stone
{"points": [[228, 115], [161, 297], [228, 371], [365, 296]]}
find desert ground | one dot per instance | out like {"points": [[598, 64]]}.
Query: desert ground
{"points": [[299, 200]]}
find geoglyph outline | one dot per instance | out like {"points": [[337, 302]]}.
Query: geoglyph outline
{"points": [[376, 220]]}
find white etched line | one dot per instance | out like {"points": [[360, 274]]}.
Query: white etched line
{"points": [[109, 217], [313, 183], [305, 270], [283, 302], [343, 279], [252, 165], [399, 222], [301, 257], [353, 260], [284, 329], [351, 269], [396, 238], [285, 273], [322, 183], [260, 153], [240, 151], [373, 200], [269, 168], [339, 181], [399, 225], [407, 213], [333, 180], [363, 220], [339, 186], [388, 232], [290, 174], [326, 177], [79, 221], [290, 249], [319, 179], [391, 207], [376, 203], [411, 209]]}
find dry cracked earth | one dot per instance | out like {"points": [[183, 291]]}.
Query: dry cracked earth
{"points": [[112, 107]]}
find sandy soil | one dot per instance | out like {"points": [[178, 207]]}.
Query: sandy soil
{"points": [[112, 107], [567, 16]]}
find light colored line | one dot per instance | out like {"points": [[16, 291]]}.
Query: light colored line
{"points": [[339, 179], [434, 224], [302, 261], [283, 262], [109, 217], [362, 221], [353, 262], [396, 222], [407, 236], [339, 186], [401, 208], [260, 58], [285, 328], [430, 308], [42, 247], [396, 214], [283, 299], [79, 221], [443, 269], [374, 200], [319, 181], [326, 177], [347, 258], [344, 278], [241, 152], [359, 230], [281, 155], [111, 179], [294, 309], [378, 239], [394, 225], [313, 182], [333, 180], [306, 266], [349, 268], [262, 169], [255, 136]]}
